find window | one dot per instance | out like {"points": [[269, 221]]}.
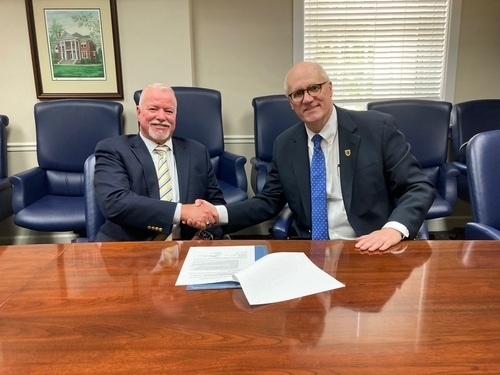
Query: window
{"points": [[377, 49]]}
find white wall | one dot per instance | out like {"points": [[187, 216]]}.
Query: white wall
{"points": [[478, 65]]}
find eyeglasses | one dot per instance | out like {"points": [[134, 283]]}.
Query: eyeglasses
{"points": [[313, 90]]}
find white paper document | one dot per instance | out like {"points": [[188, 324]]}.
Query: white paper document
{"points": [[283, 276], [214, 264]]}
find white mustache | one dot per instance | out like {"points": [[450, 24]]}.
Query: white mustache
{"points": [[160, 123]]}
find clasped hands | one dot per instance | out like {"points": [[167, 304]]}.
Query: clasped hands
{"points": [[200, 215]]}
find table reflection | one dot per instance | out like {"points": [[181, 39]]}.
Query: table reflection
{"points": [[302, 319], [471, 256]]}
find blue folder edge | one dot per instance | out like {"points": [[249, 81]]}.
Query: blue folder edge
{"points": [[260, 251]]}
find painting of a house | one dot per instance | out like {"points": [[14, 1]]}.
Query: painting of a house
{"points": [[75, 40], [75, 48]]}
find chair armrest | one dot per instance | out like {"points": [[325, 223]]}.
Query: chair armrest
{"points": [[260, 170], [282, 224], [477, 231], [260, 165], [27, 187], [447, 183], [232, 169], [462, 168]]}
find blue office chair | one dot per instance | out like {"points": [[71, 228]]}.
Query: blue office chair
{"points": [[483, 159], [425, 124], [468, 119], [50, 197], [272, 115], [199, 117], [5, 186]]}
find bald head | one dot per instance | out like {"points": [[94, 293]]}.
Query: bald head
{"points": [[312, 98], [301, 70]]}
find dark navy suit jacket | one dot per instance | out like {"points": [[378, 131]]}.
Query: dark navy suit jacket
{"points": [[127, 190], [381, 180]]}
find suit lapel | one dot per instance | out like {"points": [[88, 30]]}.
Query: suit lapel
{"points": [[348, 153], [299, 157], [148, 168]]}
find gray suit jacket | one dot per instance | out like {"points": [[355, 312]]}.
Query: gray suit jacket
{"points": [[381, 180], [127, 187]]}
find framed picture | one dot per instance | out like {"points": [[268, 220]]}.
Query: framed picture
{"points": [[75, 48]]}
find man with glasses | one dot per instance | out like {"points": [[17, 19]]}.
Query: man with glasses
{"points": [[344, 174]]}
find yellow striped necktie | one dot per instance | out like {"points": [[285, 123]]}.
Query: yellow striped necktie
{"points": [[164, 178]]}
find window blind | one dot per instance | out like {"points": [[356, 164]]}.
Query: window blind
{"points": [[376, 49]]}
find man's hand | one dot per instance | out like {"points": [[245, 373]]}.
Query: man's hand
{"points": [[200, 215], [379, 240]]}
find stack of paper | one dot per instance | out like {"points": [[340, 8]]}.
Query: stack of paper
{"points": [[264, 279]]}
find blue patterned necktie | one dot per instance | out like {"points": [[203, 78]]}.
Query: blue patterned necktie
{"points": [[318, 192]]}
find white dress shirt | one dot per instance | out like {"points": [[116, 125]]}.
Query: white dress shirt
{"points": [[338, 224]]}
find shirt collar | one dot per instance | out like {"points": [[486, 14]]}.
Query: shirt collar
{"points": [[152, 145]]}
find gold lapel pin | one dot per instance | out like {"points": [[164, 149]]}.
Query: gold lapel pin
{"points": [[347, 152]]}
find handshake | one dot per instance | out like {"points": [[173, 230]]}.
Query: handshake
{"points": [[200, 215]]}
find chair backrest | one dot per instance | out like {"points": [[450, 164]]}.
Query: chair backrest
{"points": [[470, 118], [4, 121], [483, 159], [67, 131], [94, 218], [425, 124], [272, 115]]}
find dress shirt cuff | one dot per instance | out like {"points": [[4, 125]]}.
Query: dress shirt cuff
{"points": [[399, 227], [177, 214], [223, 215]]}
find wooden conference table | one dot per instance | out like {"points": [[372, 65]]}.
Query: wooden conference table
{"points": [[432, 307]]}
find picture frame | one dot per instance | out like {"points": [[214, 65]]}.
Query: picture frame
{"points": [[75, 48]]}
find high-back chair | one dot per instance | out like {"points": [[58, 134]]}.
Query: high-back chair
{"points": [[199, 117], [50, 197], [272, 115], [483, 159], [5, 186], [468, 119], [425, 124]]}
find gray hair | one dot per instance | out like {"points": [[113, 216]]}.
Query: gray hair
{"points": [[155, 86]]}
